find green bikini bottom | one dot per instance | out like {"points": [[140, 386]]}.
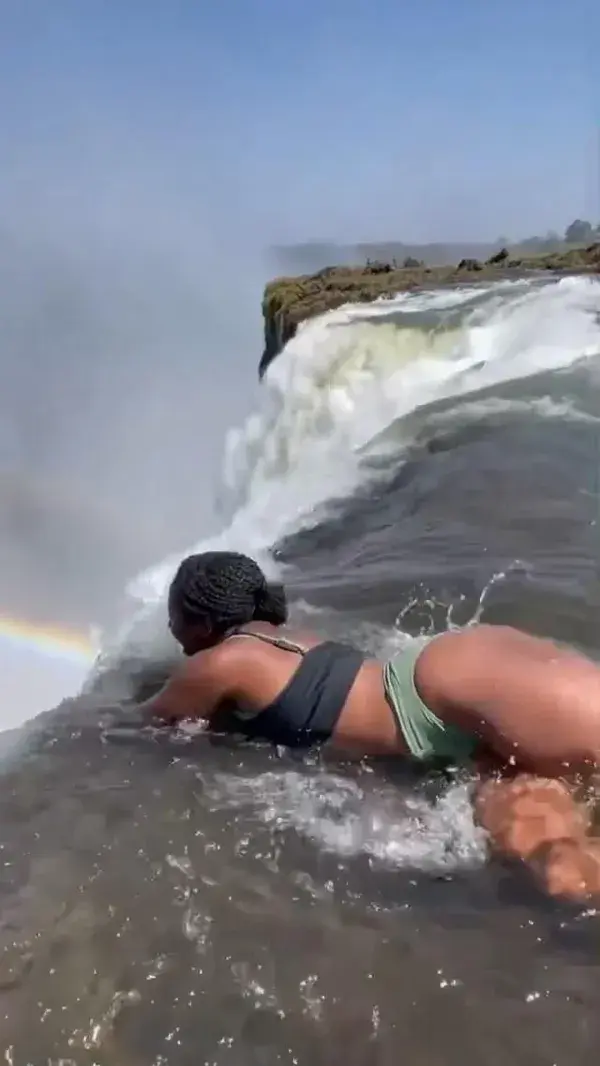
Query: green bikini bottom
{"points": [[426, 736]]}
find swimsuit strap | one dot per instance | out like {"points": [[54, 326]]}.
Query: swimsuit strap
{"points": [[276, 642]]}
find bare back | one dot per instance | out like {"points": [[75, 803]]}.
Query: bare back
{"points": [[365, 724]]}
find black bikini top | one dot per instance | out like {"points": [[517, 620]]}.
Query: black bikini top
{"points": [[306, 711]]}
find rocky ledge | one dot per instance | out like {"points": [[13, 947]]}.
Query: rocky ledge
{"points": [[289, 301]]}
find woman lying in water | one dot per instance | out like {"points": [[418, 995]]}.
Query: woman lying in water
{"points": [[521, 710]]}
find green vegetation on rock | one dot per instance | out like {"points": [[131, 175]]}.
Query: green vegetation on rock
{"points": [[289, 301]]}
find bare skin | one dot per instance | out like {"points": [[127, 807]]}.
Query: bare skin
{"points": [[534, 706]]}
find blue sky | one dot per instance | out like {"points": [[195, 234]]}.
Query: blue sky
{"points": [[341, 119]]}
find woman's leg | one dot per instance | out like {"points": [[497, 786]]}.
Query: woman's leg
{"points": [[537, 820], [534, 705]]}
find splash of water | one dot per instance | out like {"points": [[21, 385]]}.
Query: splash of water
{"points": [[347, 817]]}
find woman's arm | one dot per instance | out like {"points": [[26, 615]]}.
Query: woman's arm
{"points": [[537, 820], [196, 689]]}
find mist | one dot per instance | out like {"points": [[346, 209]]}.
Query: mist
{"points": [[130, 336]]}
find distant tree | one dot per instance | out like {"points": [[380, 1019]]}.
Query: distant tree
{"points": [[410, 263], [579, 232]]}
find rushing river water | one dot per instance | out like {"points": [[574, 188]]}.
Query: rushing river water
{"points": [[198, 900]]}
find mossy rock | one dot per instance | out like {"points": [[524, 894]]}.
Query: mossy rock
{"points": [[288, 301]]}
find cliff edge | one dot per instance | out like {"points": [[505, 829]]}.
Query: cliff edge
{"points": [[289, 301]]}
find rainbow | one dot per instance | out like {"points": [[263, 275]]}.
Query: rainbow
{"points": [[54, 641]]}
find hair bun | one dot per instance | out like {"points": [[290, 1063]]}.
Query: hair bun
{"points": [[270, 603]]}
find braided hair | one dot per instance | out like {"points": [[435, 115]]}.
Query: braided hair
{"points": [[225, 590]]}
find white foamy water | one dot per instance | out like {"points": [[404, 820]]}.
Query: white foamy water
{"points": [[349, 374], [340, 815]]}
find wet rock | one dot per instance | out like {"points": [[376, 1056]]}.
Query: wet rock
{"points": [[470, 264], [288, 301], [499, 257]]}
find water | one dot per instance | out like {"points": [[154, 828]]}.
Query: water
{"points": [[413, 466]]}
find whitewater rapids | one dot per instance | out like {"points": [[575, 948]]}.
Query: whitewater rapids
{"points": [[413, 465]]}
